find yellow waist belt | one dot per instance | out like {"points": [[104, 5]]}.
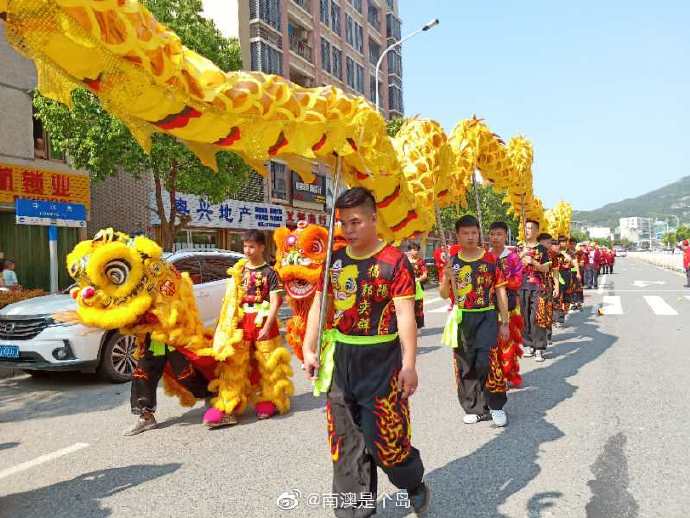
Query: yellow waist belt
{"points": [[327, 359], [450, 332]]}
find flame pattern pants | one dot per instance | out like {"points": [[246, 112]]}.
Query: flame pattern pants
{"points": [[477, 335], [151, 368], [369, 425], [533, 335]]}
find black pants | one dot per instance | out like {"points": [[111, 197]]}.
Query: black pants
{"points": [[369, 425], [532, 336], [477, 334], [149, 371], [687, 275]]}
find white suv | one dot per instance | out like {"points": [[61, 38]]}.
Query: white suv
{"points": [[31, 340]]}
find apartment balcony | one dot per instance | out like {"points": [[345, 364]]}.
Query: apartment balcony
{"points": [[302, 48], [301, 78], [300, 10], [260, 31]]}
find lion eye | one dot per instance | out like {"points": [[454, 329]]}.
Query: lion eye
{"points": [[316, 247], [117, 272]]}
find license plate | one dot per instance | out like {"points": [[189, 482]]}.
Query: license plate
{"points": [[9, 351]]}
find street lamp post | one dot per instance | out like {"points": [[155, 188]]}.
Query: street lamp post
{"points": [[430, 25]]}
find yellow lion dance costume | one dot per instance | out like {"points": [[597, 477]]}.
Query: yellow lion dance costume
{"points": [[124, 283]]}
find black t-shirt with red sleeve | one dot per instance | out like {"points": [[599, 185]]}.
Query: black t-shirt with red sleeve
{"points": [[364, 290]]}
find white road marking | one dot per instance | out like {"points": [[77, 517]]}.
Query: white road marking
{"points": [[659, 305], [644, 284], [612, 305], [431, 301], [687, 297], [602, 283], [42, 459]]}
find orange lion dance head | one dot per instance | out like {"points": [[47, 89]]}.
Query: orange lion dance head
{"points": [[300, 256]]}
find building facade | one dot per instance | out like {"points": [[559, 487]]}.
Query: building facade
{"points": [[636, 229], [32, 169]]}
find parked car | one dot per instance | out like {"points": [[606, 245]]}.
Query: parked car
{"points": [[620, 252], [31, 340]]}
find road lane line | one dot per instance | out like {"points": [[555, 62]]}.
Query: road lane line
{"points": [[659, 305], [42, 459], [612, 305], [602, 282]]}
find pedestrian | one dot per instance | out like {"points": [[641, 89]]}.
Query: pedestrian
{"points": [[420, 275], [535, 259], [576, 295], [9, 276], [552, 287], [473, 329], [563, 271], [686, 261], [368, 362], [595, 259]]}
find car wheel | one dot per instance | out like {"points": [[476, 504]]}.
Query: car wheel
{"points": [[117, 358]]}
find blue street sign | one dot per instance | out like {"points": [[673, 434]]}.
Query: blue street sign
{"points": [[39, 212]]}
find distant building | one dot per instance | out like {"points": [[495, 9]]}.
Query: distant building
{"points": [[636, 229], [599, 232]]}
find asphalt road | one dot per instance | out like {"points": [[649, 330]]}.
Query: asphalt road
{"points": [[599, 430]]}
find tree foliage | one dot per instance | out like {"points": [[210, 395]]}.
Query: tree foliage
{"points": [[100, 143]]}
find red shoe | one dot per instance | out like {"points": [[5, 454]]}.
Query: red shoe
{"points": [[265, 410]]}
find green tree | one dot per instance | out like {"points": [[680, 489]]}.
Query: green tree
{"points": [[669, 239], [101, 144], [579, 235], [682, 233], [393, 126]]}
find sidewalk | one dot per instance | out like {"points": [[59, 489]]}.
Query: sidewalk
{"points": [[669, 261]]}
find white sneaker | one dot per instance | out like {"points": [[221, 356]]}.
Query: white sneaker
{"points": [[474, 418], [539, 356], [499, 417], [529, 352]]}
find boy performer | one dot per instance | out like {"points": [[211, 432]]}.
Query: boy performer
{"points": [[420, 276], [535, 259], [367, 363], [510, 351], [473, 329], [263, 373]]}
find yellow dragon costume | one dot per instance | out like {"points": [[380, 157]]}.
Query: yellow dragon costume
{"points": [[124, 283]]}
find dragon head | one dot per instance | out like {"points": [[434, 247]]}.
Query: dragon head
{"points": [[118, 278], [300, 257]]}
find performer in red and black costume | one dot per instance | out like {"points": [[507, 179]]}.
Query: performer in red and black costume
{"points": [[508, 351], [372, 361], [562, 264], [420, 275], [473, 330], [533, 302]]}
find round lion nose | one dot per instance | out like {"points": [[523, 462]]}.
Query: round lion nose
{"points": [[88, 292]]}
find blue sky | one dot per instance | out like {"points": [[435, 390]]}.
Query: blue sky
{"points": [[600, 88]]}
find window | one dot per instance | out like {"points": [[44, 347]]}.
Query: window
{"points": [[279, 181], [374, 51], [349, 31], [266, 59], [359, 78], [43, 145], [391, 4], [359, 38], [325, 55], [372, 89], [335, 18], [190, 265], [266, 10], [324, 12], [215, 268], [395, 99], [373, 17], [350, 72], [394, 63], [392, 27], [337, 70], [357, 4]]}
